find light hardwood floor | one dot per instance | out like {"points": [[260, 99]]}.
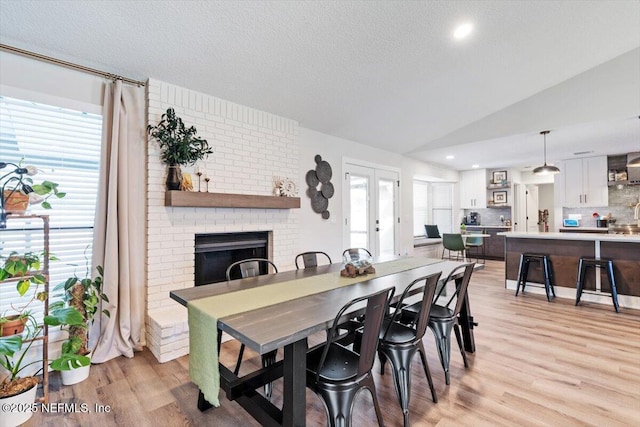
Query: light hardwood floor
{"points": [[537, 363]]}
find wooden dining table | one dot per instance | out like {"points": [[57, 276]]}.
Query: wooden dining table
{"points": [[289, 323]]}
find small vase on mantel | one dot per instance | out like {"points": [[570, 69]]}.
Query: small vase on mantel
{"points": [[174, 177]]}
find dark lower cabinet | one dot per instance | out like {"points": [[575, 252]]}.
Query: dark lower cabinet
{"points": [[494, 245]]}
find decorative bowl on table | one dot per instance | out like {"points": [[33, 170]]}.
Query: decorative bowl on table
{"points": [[357, 265]]}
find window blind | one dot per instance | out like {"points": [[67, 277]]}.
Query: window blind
{"points": [[64, 145]]}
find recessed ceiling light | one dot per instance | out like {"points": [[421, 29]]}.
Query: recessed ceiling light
{"points": [[463, 31], [475, 166], [450, 157]]}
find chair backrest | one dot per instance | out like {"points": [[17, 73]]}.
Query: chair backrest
{"points": [[429, 284], [310, 259], [251, 267], [453, 242], [461, 291], [432, 231], [376, 308], [474, 241], [354, 253]]}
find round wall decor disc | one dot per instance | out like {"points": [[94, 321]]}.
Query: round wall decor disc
{"points": [[324, 172], [327, 189], [311, 178]]}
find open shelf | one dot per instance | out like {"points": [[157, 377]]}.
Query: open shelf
{"points": [[228, 200]]}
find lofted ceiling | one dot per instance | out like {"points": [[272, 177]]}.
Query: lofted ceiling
{"points": [[384, 73]]}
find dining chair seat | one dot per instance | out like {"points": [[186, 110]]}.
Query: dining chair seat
{"points": [[341, 363], [397, 333]]}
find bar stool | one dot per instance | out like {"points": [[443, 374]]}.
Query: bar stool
{"points": [[585, 263], [547, 272]]}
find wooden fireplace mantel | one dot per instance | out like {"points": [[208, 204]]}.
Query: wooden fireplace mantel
{"points": [[228, 200]]}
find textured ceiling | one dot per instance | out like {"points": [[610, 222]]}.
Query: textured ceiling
{"points": [[384, 73]]}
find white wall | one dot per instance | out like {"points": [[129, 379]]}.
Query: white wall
{"points": [[326, 235]]}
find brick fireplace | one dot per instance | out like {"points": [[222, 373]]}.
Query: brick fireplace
{"points": [[250, 147]]}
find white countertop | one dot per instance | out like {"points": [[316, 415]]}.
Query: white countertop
{"points": [[488, 226], [572, 236], [577, 229]]}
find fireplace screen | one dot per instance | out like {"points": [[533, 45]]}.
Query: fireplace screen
{"points": [[215, 252]]}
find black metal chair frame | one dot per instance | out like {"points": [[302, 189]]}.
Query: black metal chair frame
{"points": [[583, 265], [442, 318], [399, 343], [547, 271], [310, 259], [269, 358], [338, 393]]}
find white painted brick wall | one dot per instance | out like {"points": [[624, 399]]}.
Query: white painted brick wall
{"points": [[250, 147]]}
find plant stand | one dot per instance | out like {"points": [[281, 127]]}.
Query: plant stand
{"points": [[45, 272]]}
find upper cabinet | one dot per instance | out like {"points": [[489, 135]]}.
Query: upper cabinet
{"points": [[473, 189], [585, 182]]}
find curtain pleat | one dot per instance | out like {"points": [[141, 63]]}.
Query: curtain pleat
{"points": [[119, 233]]}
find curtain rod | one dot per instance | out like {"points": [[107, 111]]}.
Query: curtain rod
{"points": [[70, 65]]}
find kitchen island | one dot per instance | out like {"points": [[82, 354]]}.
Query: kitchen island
{"points": [[565, 249]]}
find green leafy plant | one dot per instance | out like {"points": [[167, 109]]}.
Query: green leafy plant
{"points": [[25, 269], [82, 298], [12, 359], [179, 144]]}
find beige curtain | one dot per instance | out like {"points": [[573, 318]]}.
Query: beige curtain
{"points": [[119, 234]]}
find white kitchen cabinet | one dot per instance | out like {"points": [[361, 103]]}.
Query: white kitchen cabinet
{"points": [[473, 189], [585, 182]]}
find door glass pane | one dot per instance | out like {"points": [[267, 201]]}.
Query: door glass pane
{"points": [[359, 211], [386, 216]]}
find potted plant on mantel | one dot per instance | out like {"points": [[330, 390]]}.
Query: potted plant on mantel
{"points": [[179, 145], [82, 300]]}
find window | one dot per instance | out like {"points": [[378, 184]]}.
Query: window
{"points": [[420, 207], [432, 204], [65, 147]]}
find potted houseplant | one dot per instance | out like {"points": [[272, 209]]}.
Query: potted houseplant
{"points": [[179, 145], [17, 190], [25, 270], [82, 298], [17, 391]]}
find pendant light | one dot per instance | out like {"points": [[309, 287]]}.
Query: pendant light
{"points": [[634, 163], [545, 169]]}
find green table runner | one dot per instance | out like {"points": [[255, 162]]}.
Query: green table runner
{"points": [[204, 313]]}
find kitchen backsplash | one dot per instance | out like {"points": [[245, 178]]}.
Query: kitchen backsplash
{"points": [[619, 201], [491, 216]]}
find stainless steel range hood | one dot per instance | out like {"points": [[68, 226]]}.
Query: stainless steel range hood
{"points": [[633, 174]]}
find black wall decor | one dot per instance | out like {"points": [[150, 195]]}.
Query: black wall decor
{"points": [[320, 196]]}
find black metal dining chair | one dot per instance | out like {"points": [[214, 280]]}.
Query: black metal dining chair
{"points": [[310, 259], [399, 343], [442, 318], [336, 373], [250, 268]]}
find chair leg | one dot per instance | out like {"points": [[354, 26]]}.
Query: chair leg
{"points": [[383, 360], [520, 271], [369, 384], [400, 359], [427, 372], [547, 278], [239, 361], [456, 329], [579, 281], [612, 283], [268, 359], [442, 334]]}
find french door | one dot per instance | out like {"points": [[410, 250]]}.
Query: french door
{"points": [[371, 209]]}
